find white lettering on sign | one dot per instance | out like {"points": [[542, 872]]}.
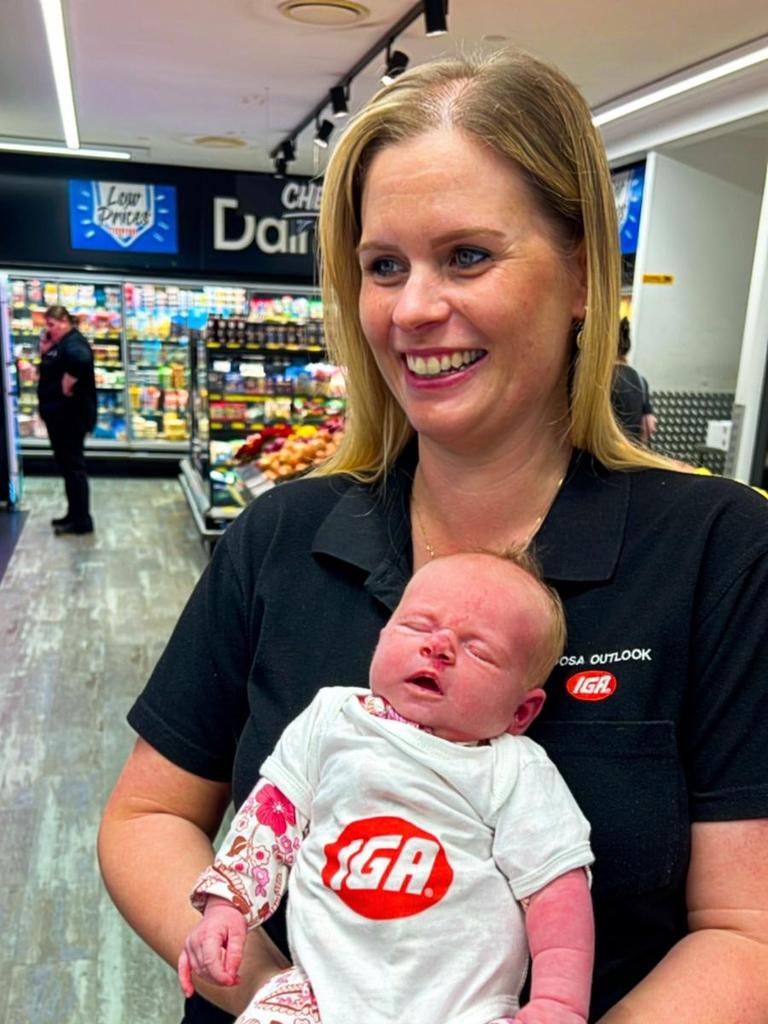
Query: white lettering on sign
{"points": [[233, 231], [302, 195]]}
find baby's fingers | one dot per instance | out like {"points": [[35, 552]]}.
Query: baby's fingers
{"points": [[185, 975], [233, 954]]}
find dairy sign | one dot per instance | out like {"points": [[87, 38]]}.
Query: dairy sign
{"points": [[118, 216], [235, 228]]}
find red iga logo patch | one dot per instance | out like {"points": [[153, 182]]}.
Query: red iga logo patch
{"points": [[594, 685], [384, 868]]}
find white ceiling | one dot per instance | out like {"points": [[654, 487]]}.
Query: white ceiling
{"points": [[156, 75]]}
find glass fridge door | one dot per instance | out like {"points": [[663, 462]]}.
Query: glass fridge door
{"points": [[11, 481], [97, 308], [163, 323]]}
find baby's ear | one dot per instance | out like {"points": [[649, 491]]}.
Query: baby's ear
{"points": [[527, 710]]}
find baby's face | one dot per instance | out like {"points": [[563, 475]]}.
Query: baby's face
{"points": [[456, 654]]}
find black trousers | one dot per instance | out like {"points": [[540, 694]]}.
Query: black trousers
{"points": [[67, 441]]}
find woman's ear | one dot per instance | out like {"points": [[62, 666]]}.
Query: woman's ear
{"points": [[526, 711]]}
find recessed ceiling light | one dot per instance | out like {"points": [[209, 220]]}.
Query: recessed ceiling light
{"points": [[219, 141], [335, 13]]}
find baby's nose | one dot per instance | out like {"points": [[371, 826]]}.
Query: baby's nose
{"points": [[439, 646]]}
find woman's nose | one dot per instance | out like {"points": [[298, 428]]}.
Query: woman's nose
{"points": [[439, 647], [420, 304]]}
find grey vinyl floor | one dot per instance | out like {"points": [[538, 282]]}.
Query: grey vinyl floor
{"points": [[82, 621]]}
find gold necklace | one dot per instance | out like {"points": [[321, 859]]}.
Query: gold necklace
{"points": [[534, 530]]}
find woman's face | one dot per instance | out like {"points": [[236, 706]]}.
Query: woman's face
{"points": [[56, 328], [465, 300]]}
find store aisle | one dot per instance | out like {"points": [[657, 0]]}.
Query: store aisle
{"points": [[82, 621]]}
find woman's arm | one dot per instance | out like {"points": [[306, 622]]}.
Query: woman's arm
{"points": [[154, 841], [719, 971]]}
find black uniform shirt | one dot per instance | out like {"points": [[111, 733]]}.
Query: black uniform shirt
{"points": [[71, 354], [630, 399], [657, 715]]}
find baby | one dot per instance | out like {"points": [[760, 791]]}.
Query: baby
{"points": [[430, 845]]}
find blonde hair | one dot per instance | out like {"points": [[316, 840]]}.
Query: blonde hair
{"points": [[528, 111]]}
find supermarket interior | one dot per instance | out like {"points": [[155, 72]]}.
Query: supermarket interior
{"points": [[188, 264]]}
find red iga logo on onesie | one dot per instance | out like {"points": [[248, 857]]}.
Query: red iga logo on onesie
{"points": [[384, 868]]}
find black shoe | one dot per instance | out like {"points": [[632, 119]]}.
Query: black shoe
{"points": [[72, 529], [61, 521]]}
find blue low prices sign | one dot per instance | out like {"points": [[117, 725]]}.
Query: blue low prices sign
{"points": [[114, 216]]}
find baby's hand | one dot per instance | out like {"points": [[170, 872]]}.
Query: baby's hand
{"points": [[214, 949]]}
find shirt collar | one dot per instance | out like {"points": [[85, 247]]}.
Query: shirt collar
{"points": [[369, 527], [579, 540]]}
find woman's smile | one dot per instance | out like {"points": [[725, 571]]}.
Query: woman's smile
{"points": [[441, 366]]}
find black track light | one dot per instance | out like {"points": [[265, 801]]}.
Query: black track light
{"points": [[323, 133], [434, 17], [339, 101], [288, 150], [281, 166], [397, 62]]}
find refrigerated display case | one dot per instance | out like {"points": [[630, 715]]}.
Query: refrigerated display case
{"points": [[142, 333], [97, 305], [268, 404], [11, 481], [224, 374]]}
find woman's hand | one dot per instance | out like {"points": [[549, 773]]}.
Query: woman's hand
{"points": [[154, 841]]}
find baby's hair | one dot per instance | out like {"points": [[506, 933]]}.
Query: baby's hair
{"points": [[551, 650]]}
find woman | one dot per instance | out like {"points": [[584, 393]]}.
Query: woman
{"points": [[470, 273], [66, 394], [630, 395]]}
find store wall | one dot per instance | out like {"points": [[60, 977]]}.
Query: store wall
{"points": [[701, 232]]}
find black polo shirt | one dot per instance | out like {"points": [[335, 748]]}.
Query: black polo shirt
{"points": [[657, 715], [71, 354]]}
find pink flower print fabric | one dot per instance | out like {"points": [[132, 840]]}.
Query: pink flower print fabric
{"points": [[274, 809], [380, 708], [252, 865], [285, 999]]}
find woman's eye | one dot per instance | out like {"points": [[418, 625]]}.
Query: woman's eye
{"points": [[466, 258], [384, 266]]}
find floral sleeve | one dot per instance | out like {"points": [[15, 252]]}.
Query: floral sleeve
{"points": [[252, 865]]}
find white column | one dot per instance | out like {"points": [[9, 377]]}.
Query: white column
{"points": [[754, 346]]}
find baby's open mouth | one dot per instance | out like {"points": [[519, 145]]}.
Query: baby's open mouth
{"points": [[424, 682], [443, 365]]}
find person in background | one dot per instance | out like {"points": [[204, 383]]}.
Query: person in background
{"points": [[630, 394], [470, 271], [66, 394], [478, 823]]}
